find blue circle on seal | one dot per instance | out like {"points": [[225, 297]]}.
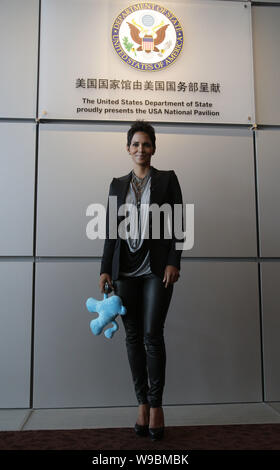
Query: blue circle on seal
{"points": [[145, 42]]}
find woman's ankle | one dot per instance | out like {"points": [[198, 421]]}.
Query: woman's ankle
{"points": [[143, 414], [156, 417]]}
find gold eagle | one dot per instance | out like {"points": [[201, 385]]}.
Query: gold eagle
{"points": [[134, 31]]}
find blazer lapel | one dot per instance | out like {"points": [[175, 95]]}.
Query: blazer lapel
{"points": [[155, 186], [123, 185]]}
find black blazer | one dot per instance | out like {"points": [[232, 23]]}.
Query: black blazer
{"points": [[165, 188]]}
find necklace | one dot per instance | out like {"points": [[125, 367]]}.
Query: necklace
{"points": [[139, 184]]}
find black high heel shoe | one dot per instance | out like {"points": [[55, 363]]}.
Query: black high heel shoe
{"points": [[156, 433], [141, 430]]}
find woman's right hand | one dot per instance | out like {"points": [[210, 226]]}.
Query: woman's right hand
{"points": [[105, 277]]}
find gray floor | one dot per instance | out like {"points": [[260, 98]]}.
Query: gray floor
{"points": [[187, 415]]}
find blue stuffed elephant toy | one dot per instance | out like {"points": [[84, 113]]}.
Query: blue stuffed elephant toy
{"points": [[108, 309]]}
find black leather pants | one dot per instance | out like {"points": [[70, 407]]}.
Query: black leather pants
{"points": [[147, 300]]}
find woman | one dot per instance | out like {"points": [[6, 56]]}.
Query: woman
{"points": [[142, 271]]}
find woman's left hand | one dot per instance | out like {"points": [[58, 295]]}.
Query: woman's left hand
{"points": [[171, 275]]}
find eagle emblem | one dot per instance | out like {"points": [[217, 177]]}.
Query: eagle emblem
{"points": [[148, 42]]}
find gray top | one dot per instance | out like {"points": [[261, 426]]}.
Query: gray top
{"points": [[139, 219]]}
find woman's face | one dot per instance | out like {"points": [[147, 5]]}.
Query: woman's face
{"points": [[141, 149]]}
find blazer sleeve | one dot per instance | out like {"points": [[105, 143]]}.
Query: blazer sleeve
{"points": [[109, 244], [174, 256]]}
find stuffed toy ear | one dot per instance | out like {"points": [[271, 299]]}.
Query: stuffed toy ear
{"points": [[91, 304]]}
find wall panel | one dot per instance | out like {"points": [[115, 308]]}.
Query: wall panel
{"points": [[17, 180], [266, 43], [271, 328], [268, 161], [19, 58], [15, 333]]}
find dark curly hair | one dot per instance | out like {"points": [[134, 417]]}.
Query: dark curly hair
{"points": [[141, 126]]}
